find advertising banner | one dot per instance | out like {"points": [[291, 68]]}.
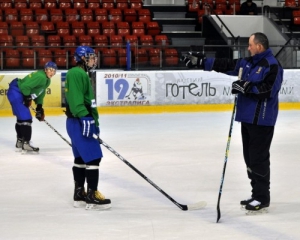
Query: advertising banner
{"points": [[178, 88]]}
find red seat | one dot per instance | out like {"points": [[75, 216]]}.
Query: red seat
{"points": [[171, 57], [193, 5], [43, 56], [26, 15], [86, 15], [93, 28], [20, 4], [71, 15], [123, 28], [161, 40], [56, 15], [85, 40], [23, 42], [130, 15], [144, 15], [6, 4], [122, 4], [16, 28], [141, 56], [65, 4], [78, 28], [31, 28], [138, 28], [115, 15], [47, 27], [54, 42], [108, 29], [154, 57], [69, 42], [35, 4], [122, 57], [41, 15], [6, 41], [38, 41], [116, 41], [235, 8], [3, 28], [133, 40], [136, 4], [290, 3], [101, 15], [109, 58], [1, 16], [11, 15], [147, 41], [60, 57], [222, 7], [62, 28], [101, 42], [48, 4], [93, 4], [296, 13], [153, 28], [28, 58], [108, 4], [12, 58], [79, 4]]}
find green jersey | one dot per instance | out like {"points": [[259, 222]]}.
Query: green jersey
{"points": [[79, 94], [35, 85]]}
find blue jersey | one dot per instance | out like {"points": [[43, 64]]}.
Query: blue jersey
{"points": [[259, 105]]}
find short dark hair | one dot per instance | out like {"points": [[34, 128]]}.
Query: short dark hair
{"points": [[261, 38], [249, 1]]}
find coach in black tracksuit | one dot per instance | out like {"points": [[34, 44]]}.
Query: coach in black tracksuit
{"points": [[257, 109]]}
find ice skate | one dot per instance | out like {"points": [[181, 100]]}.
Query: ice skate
{"points": [[256, 207], [27, 147], [19, 144], [245, 202], [96, 201], [79, 197]]}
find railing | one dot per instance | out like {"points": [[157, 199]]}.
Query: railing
{"points": [[161, 59]]}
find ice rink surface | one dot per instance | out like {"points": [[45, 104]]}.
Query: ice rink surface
{"points": [[183, 153]]}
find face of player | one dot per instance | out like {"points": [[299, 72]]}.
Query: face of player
{"points": [[50, 72], [254, 48], [92, 63]]}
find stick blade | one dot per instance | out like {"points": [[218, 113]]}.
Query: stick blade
{"points": [[196, 206]]}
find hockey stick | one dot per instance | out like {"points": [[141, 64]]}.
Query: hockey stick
{"points": [[227, 150], [194, 206], [53, 129]]}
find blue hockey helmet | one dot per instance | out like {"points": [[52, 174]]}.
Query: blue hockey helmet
{"points": [[86, 52], [50, 65]]}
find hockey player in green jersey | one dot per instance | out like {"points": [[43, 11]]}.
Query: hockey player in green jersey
{"points": [[20, 94], [82, 127]]}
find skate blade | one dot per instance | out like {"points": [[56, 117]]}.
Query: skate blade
{"points": [[261, 211], [18, 150], [29, 151], [79, 204], [97, 207]]}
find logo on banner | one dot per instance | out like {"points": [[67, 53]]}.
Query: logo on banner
{"points": [[133, 90]]}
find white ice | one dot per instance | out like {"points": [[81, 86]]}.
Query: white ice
{"points": [[182, 153]]}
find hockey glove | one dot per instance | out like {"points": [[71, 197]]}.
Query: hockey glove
{"points": [[40, 115], [27, 100], [194, 59], [240, 86], [89, 127]]}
